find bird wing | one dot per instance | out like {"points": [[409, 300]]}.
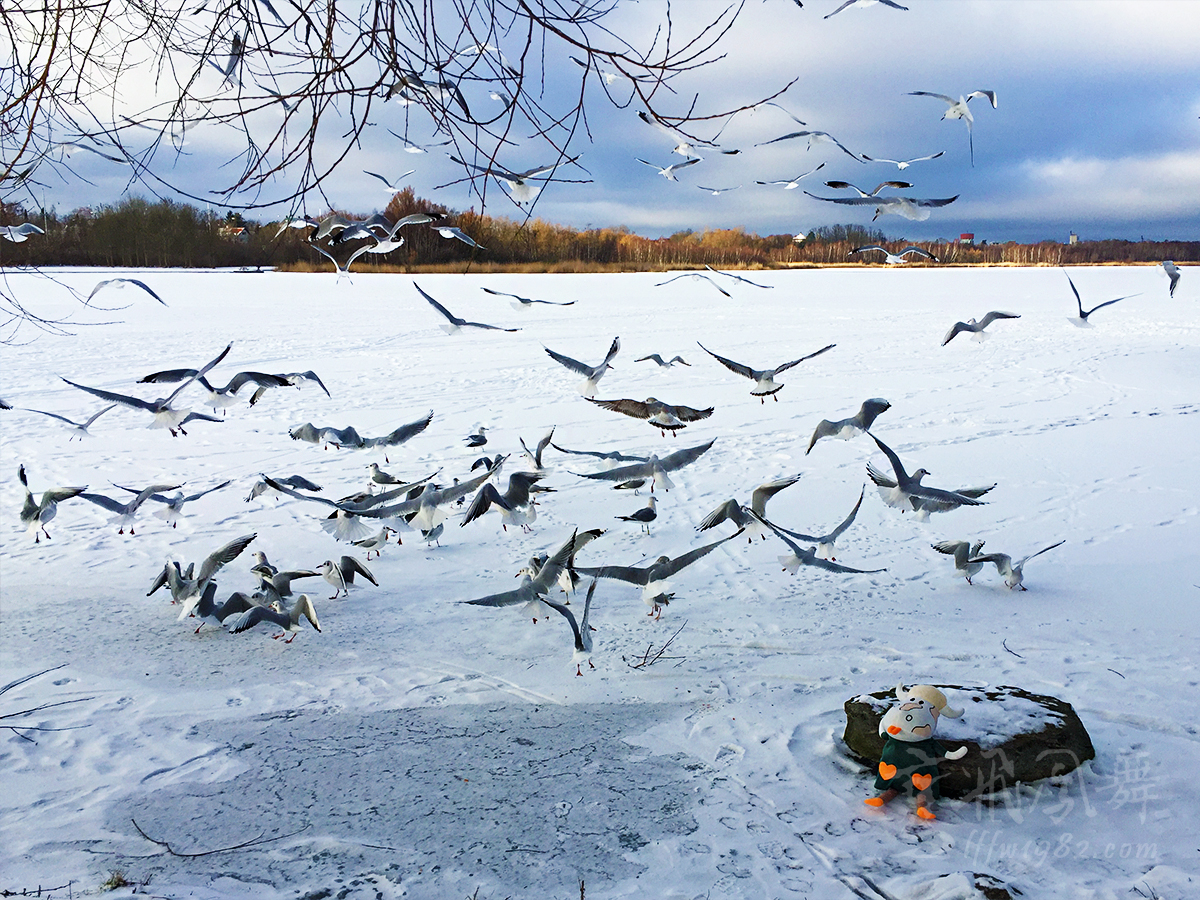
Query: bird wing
{"points": [[629, 574], [200, 373], [939, 500], [767, 490], [974, 492], [796, 362], [846, 522], [450, 317], [990, 96], [401, 434], [113, 397], [523, 594], [107, 502], [1039, 553], [202, 493], [246, 620], [611, 454], [879, 478], [350, 567], [262, 379], [824, 429], [994, 315], [620, 473], [686, 456], [687, 413], [957, 328], [482, 503], [669, 568], [613, 349], [732, 366], [225, 554], [1108, 303], [1075, 291], [901, 475], [635, 408], [573, 364], [943, 97], [729, 510]]}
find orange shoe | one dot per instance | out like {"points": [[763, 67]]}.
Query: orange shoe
{"points": [[874, 801], [924, 813]]}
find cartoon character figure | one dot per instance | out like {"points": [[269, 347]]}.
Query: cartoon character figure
{"points": [[909, 763]]}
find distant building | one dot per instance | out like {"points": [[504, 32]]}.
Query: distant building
{"points": [[966, 238], [234, 233], [1073, 239]]}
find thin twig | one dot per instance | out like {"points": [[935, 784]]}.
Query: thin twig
{"points": [[1004, 644], [250, 843]]}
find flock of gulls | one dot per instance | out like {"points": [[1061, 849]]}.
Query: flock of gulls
{"points": [[377, 513]]}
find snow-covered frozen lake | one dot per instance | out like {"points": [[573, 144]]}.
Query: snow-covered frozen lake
{"points": [[422, 748]]}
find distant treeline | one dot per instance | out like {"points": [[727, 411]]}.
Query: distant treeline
{"points": [[138, 232]]}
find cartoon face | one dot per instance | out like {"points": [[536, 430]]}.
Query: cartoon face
{"points": [[912, 719]]}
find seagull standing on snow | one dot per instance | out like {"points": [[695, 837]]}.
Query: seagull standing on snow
{"points": [[845, 429], [341, 575], [958, 110], [962, 551], [592, 374], [976, 328], [764, 379], [645, 515]]}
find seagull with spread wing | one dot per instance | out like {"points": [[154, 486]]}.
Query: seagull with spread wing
{"points": [[749, 519], [906, 491], [958, 110], [653, 467], [851, 427], [1013, 572], [592, 374], [764, 379], [663, 416], [453, 323], [165, 416], [1082, 320], [976, 328]]}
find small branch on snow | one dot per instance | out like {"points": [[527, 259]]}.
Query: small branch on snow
{"points": [[254, 842], [649, 658]]}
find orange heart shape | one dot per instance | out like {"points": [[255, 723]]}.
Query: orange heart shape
{"points": [[922, 782], [887, 771]]}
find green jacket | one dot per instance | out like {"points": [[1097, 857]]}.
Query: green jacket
{"points": [[909, 758]]}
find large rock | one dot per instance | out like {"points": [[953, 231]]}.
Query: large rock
{"points": [[1012, 736]]}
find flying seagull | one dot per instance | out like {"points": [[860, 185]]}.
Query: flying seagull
{"points": [[894, 259], [668, 172], [825, 542], [814, 137], [18, 234], [342, 268], [902, 164], [1082, 320], [34, 516], [862, 3], [907, 491], [453, 323], [653, 467], [695, 276], [958, 110], [913, 208], [526, 302], [165, 416], [662, 416], [716, 192], [536, 582], [592, 374], [453, 232], [128, 510], [653, 577], [218, 397], [1012, 571], [515, 504], [518, 184], [764, 379], [393, 185], [976, 328], [666, 364], [852, 427], [187, 587], [174, 504], [739, 278], [535, 456], [795, 182], [749, 519], [802, 556], [1172, 272], [78, 429], [120, 283], [685, 146]]}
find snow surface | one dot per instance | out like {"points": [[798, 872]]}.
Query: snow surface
{"points": [[422, 748]]}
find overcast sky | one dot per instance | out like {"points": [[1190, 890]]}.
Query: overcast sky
{"points": [[1097, 130]]}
